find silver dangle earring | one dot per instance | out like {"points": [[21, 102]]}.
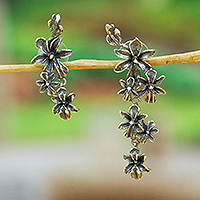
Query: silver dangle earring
{"points": [[133, 88], [54, 72]]}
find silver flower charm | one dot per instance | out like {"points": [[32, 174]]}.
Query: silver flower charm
{"points": [[134, 118], [129, 89], [149, 86], [63, 104], [134, 56], [51, 54], [136, 166], [47, 84], [147, 132]]}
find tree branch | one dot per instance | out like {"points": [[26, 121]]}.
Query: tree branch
{"points": [[190, 57]]}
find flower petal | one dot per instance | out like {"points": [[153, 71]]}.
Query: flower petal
{"points": [[72, 108], [142, 139], [147, 53], [123, 125], [122, 83], [56, 108], [56, 99], [132, 136], [151, 124], [151, 138], [138, 128], [143, 168], [150, 98], [44, 76], [121, 53], [142, 80], [60, 69], [144, 125], [159, 79], [122, 91], [159, 90], [39, 59], [134, 110], [136, 47], [128, 168], [50, 91], [129, 132], [51, 77], [154, 131], [151, 75], [142, 158], [63, 53], [125, 115], [40, 82], [41, 44], [134, 156], [66, 115], [54, 44], [62, 93], [133, 71], [136, 174], [64, 68], [134, 150], [110, 41], [142, 91], [43, 89], [142, 116], [48, 66], [71, 97], [127, 97], [144, 66], [134, 93], [54, 84], [130, 81], [127, 158], [120, 67]]}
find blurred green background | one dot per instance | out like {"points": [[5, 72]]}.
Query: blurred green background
{"points": [[169, 26]]}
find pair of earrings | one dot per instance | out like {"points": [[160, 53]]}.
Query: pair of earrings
{"points": [[133, 88]]}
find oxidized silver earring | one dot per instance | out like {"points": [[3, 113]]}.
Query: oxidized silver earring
{"points": [[54, 72], [133, 88]]}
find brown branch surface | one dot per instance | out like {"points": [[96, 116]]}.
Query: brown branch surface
{"points": [[190, 57]]}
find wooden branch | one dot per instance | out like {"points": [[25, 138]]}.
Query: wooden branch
{"points": [[190, 57]]}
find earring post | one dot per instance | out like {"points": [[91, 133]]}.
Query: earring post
{"points": [[189, 57]]}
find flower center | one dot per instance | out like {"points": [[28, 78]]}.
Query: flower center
{"points": [[131, 122], [135, 60], [147, 132], [151, 87], [51, 56], [65, 102], [47, 84], [129, 88], [135, 162]]}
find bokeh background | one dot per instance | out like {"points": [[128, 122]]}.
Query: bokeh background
{"points": [[43, 157]]}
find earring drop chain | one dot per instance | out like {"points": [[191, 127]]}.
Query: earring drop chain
{"points": [[133, 88]]}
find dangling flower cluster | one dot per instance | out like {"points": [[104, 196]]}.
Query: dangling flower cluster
{"points": [[54, 72], [133, 88]]}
